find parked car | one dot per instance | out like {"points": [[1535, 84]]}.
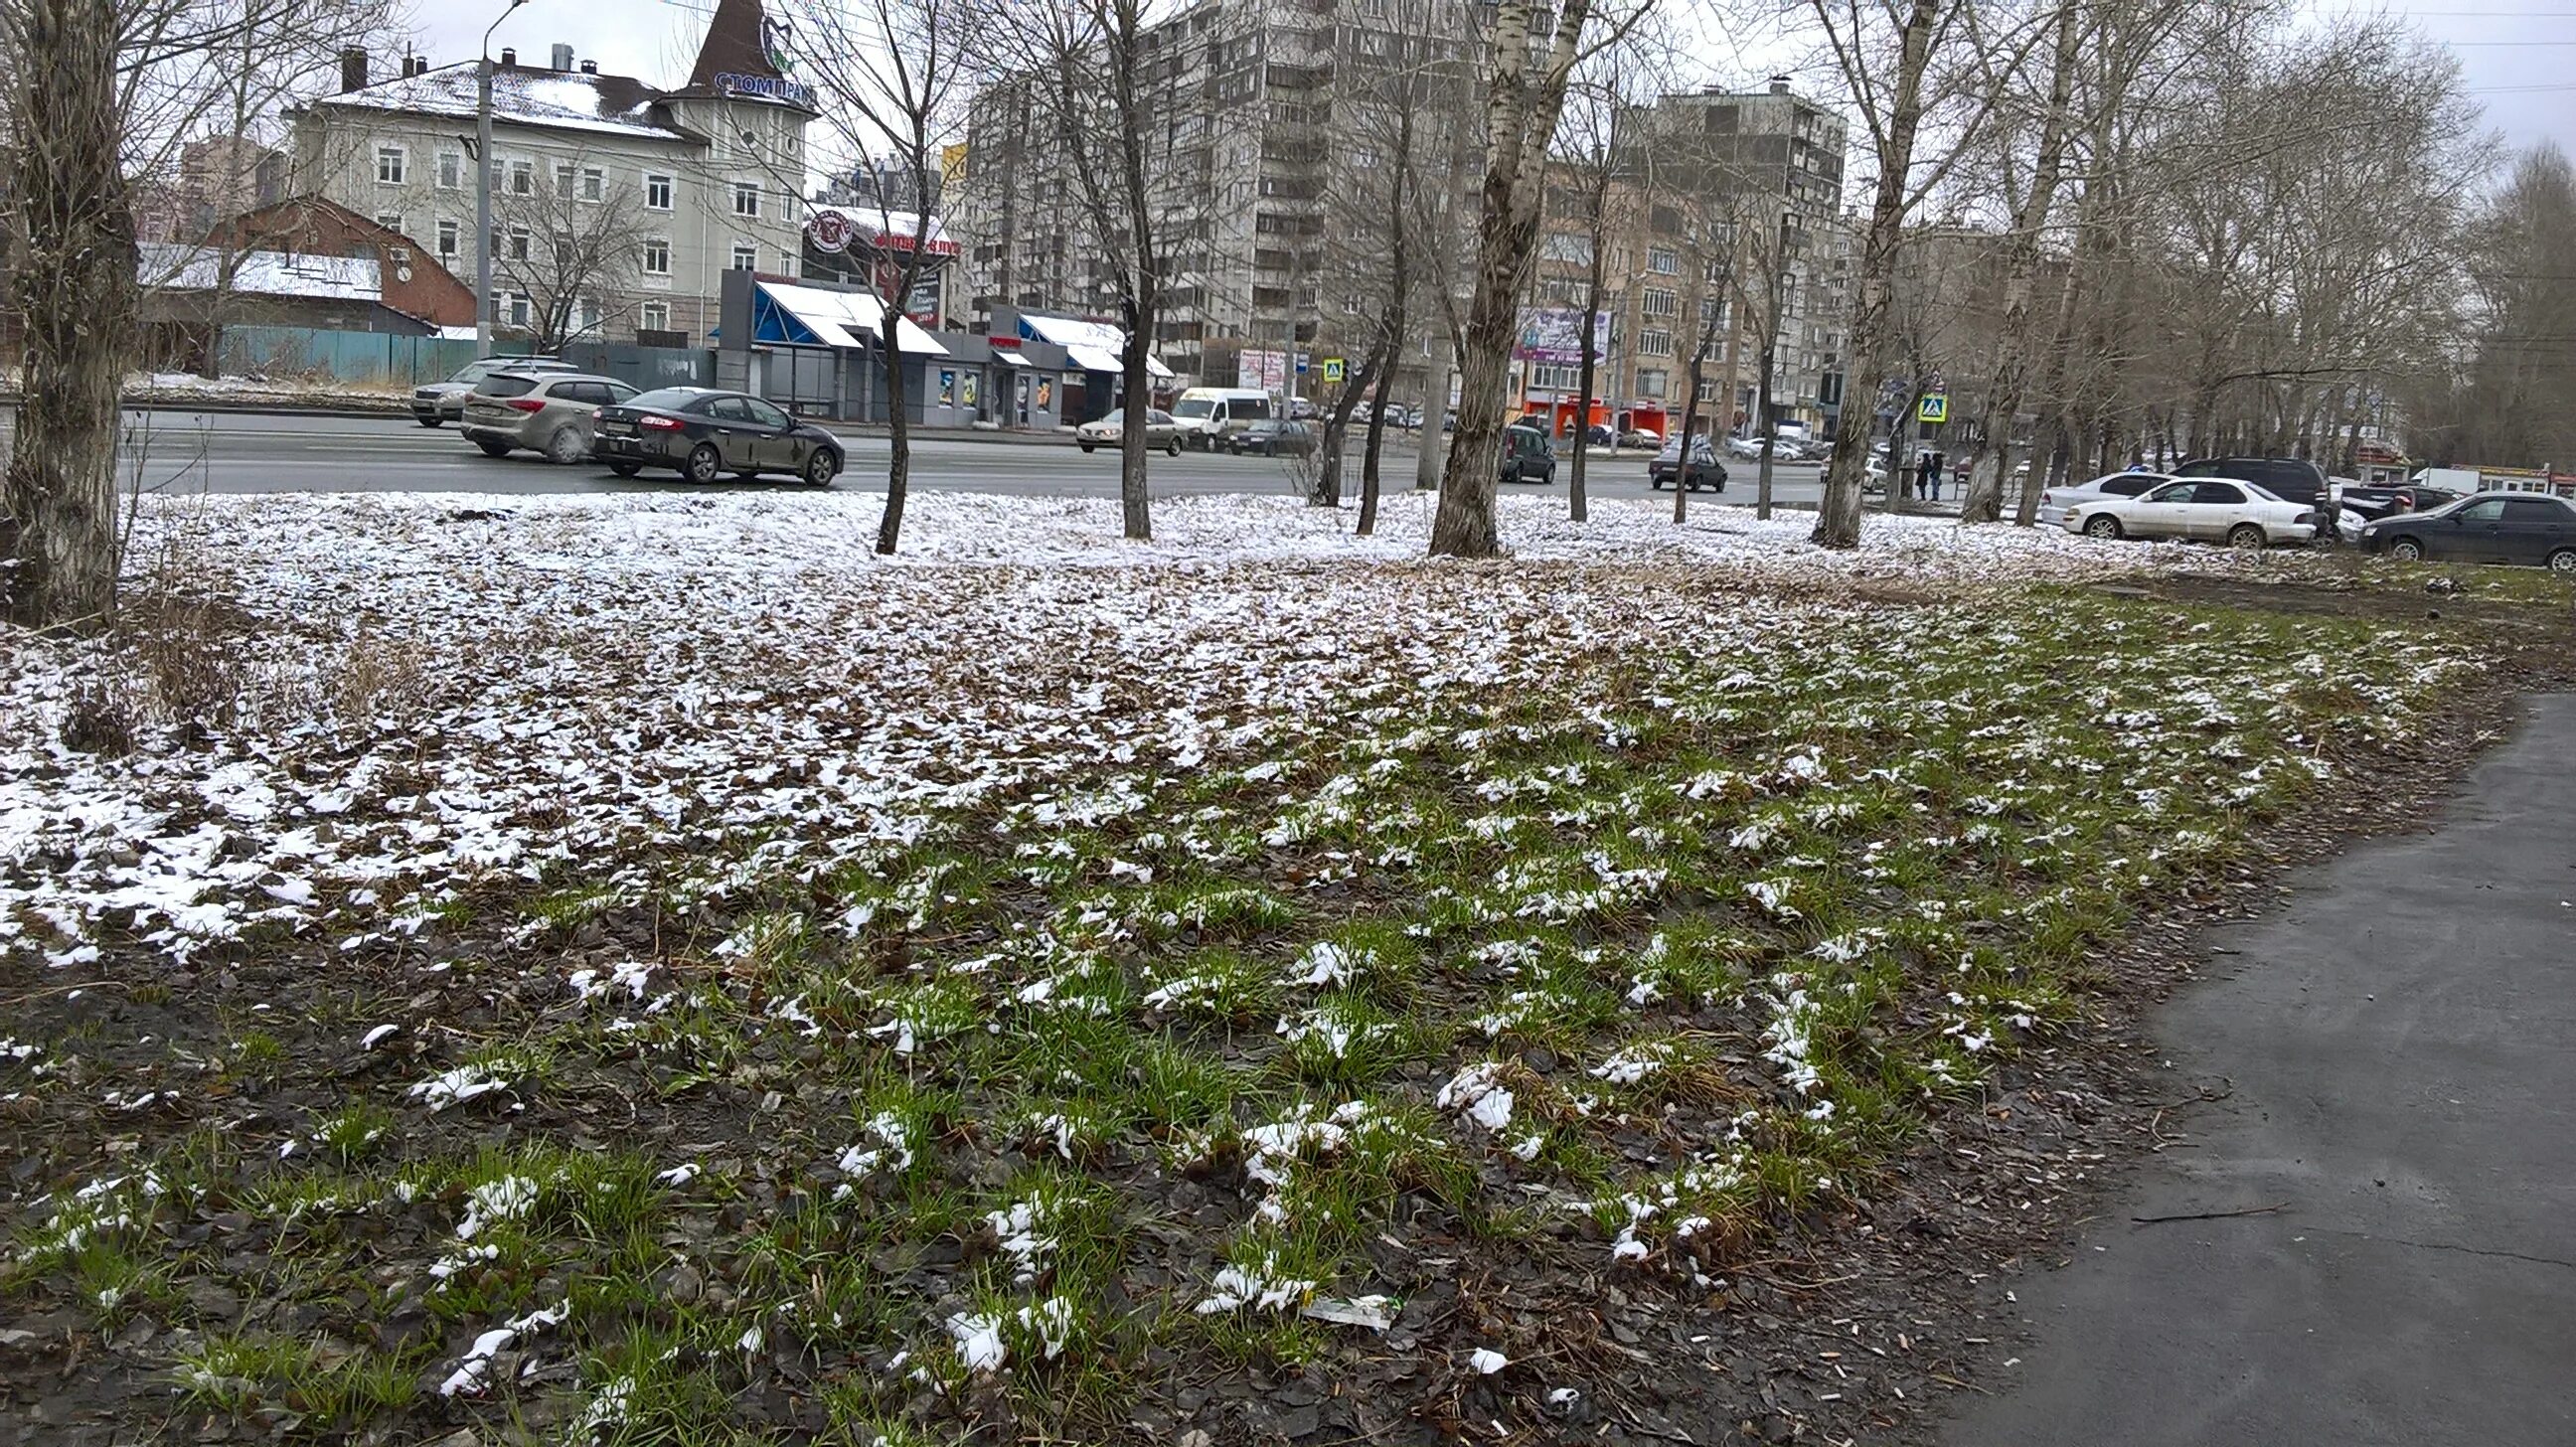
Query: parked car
{"points": [[2210, 510], [2376, 501], [548, 412], [1526, 456], [1209, 415], [1161, 430], [2054, 501], [1301, 409], [2291, 479], [708, 434], [1600, 435], [1705, 470], [1273, 437], [1641, 437], [445, 401], [2493, 527]]}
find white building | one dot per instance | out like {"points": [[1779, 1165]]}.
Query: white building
{"points": [[614, 204]]}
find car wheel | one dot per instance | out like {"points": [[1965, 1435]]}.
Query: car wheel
{"points": [[822, 467], [2102, 525], [566, 447], [2563, 561], [1656, 483], [1085, 446], [1174, 450], [2406, 550], [2246, 537], [493, 449], [705, 463], [426, 421], [626, 469]]}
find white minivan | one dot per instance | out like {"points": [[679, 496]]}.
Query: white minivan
{"points": [[1209, 415]]}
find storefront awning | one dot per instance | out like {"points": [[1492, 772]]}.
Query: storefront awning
{"points": [[1012, 359], [834, 319], [1092, 346]]}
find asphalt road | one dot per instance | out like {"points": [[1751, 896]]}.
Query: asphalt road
{"points": [[2401, 1046], [183, 451]]}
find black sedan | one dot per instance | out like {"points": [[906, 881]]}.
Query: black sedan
{"points": [[1273, 437], [2378, 501], [708, 435], [1705, 470], [2493, 527]]}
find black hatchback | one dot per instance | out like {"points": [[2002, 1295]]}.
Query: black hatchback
{"points": [[708, 435]]}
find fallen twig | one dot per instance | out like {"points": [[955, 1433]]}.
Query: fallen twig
{"points": [[2212, 1215]]}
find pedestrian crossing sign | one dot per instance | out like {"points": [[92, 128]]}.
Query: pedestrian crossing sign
{"points": [[1332, 369], [1935, 407]]}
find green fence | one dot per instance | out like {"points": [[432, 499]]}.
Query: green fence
{"points": [[384, 360]]}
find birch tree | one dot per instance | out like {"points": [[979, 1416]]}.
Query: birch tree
{"points": [[1530, 58]]}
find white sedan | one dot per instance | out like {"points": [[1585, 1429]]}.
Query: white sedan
{"points": [[2208, 509], [2054, 501]]}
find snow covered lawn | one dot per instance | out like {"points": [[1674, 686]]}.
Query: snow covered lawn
{"points": [[609, 961]]}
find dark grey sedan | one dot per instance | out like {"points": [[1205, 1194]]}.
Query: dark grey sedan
{"points": [[708, 435], [2492, 527]]}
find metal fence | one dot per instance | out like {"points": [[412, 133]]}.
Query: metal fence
{"points": [[384, 360]]}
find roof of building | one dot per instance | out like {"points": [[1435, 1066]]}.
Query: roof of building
{"points": [[1093, 346], [260, 273], [562, 99]]}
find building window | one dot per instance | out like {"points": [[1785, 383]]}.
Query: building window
{"points": [[1712, 311], [518, 243], [1662, 262], [657, 256], [563, 183], [1658, 301], [594, 183], [391, 165], [657, 192], [1568, 246], [1554, 376], [1654, 344], [791, 262], [390, 220], [451, 170], [523, 178], [654, 316], [746, 257], [447, 241], [746, 198], [1650, 381], [585, 315], [512, 308]]}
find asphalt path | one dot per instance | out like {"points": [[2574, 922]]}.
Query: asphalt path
{"points": [[2398, 1056], [237, 452]]}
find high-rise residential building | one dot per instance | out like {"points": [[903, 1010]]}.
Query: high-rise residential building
{"points": [[1261, 112], [627, 201], [1770, 162]]}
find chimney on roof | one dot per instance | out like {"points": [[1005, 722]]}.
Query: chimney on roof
{"points": [[590, 67], [561, 58], [353, 69], [1779, 85], [509, 58]]}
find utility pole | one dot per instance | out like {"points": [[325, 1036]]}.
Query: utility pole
{"points": [[483, 188]]}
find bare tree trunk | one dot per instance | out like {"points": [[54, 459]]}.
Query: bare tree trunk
{"points": [[1690, 421], [1521, 112], [898, 435], [1135, 395], [1588, 355], [1983, 502], [73, 278], [1435, 411], [1838, 516]]}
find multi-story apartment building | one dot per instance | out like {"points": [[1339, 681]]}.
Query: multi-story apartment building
{"points": [[220, 177], [1764, 170], [1262, 113], [621, 204]]}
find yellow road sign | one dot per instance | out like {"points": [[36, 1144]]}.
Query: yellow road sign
{"points": [[1935, 407], [1332, 369]]}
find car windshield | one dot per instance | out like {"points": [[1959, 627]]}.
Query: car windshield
{"points": [[475, 371], [666, 399], [1113, 414], [1193, 407]]}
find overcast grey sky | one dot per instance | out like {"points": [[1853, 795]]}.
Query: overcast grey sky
{"points": [[2518, 57]]}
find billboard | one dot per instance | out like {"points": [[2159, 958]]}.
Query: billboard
{"points": [[1555, 334]]}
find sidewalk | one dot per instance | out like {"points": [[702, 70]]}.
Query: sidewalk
{"points": [[2399, 1052]]}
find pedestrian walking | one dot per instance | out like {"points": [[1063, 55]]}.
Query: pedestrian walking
{"points": [[1923, 474], [1932, 475]]}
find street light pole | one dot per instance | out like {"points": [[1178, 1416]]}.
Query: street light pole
{"points": [[483, 188]]}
